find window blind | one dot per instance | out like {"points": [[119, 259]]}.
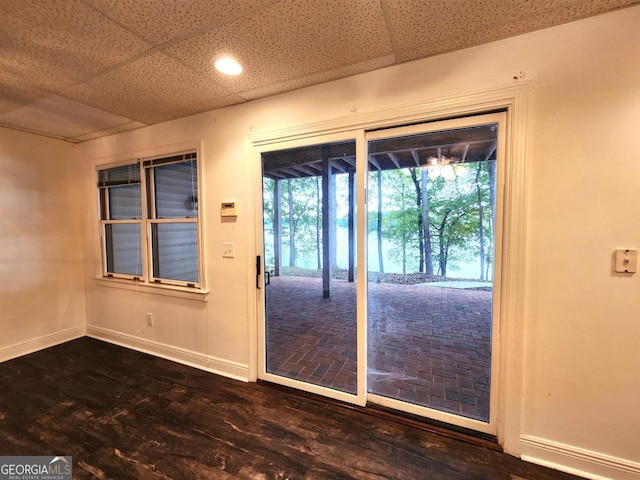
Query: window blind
{"points": [[120, 175]]}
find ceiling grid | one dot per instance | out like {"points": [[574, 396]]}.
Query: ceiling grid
{"points": [[82, 69]]}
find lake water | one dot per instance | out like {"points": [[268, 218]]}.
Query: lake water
{"points": [[468, 269]]}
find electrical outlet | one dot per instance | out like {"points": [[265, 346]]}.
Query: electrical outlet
{"points": [[228, 250], [626, 260], [150, 319]]}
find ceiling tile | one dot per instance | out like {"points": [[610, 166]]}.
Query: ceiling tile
{"points": [[154, 88], [61, 117], [421, 29], [15, 93], [289, 39], [55, 44], [317, 78], [161, 20], [124, 127], [416, 23], [217, 102]]}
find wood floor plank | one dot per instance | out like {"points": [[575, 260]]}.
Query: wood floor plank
{"points": [[122, 414]]}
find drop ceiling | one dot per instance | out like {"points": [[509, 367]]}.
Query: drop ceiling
{"points": [[83, 69]]}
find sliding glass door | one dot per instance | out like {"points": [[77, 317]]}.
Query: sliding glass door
{"points": [[432, 256], [309, 232], [388, 297]]}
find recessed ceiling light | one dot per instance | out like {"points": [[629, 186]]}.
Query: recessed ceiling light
{"points": [[228, 66]]}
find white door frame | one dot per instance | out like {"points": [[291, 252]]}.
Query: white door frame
{"points": [[513, 100], [499, 118], [360, 398]]}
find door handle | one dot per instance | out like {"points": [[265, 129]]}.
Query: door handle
{"points": [[258, 271], [267, 279]]}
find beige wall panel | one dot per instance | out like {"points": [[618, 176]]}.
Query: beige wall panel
{"points": [[41, 260]]}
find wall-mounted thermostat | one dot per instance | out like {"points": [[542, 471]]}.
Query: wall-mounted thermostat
{"points": [[228, 209]]}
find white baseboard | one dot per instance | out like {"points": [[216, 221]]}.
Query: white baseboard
{"points": [[577, 461], [198, 360], [40, 343]]}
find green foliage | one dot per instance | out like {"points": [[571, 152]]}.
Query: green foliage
{"points": [[400, 224], [460, 215], [454, 216], [305, 195]]}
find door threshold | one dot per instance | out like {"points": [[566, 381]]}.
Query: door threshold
{"points": [[479, 439], [434, 426]]}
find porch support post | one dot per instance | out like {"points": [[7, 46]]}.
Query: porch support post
{"points": [[328, 222]]}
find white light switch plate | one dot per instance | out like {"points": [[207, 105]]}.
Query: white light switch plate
{"points": [[626, 261]]}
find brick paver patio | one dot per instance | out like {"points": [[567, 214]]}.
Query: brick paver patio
{"points": [[427, 345]]}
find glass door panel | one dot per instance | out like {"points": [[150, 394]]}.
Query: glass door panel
{"points": [[416, 331], [431, 262], [309, 236]]}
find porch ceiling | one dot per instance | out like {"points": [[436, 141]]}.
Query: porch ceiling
{"points": [[423, 150]]}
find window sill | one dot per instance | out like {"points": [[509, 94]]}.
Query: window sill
{"points": [[166, 290]]}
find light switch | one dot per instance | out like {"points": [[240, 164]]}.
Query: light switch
{"points": [[227, 250], [626, 261]]}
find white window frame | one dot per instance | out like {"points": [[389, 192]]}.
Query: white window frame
{"points": [[148, 167], [147, 282], [105, 222]]}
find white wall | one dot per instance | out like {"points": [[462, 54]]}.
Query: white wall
{"points": [[582, 379], [42, 298], [582, 323]]}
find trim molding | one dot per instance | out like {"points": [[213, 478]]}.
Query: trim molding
{"points": [[577, 461], [482, 101], [512, 98], [225, 368], [167, 290], [40, 343]]}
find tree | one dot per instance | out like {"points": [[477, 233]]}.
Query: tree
{"points": [[318, 224], [401, 228], [416, 184], [379, 224], [268, 207], [480, 220], [424, 193], [491, 182], [292, 232], [424, 235], [301, 217], [429, 222], [453, 217]]}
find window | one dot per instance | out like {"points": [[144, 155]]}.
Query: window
{"points": [[149, 219]]}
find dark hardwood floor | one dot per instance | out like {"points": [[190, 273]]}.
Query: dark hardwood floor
{"points": [[122, 414]]}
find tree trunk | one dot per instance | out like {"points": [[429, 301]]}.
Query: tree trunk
{"points": [[416, 184], [277, 227], [292, 236], [428, 251], [480, 220], [318, 224], [404, 235], [442, 258], [491, 169], [443, 255], [379, 225]]}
